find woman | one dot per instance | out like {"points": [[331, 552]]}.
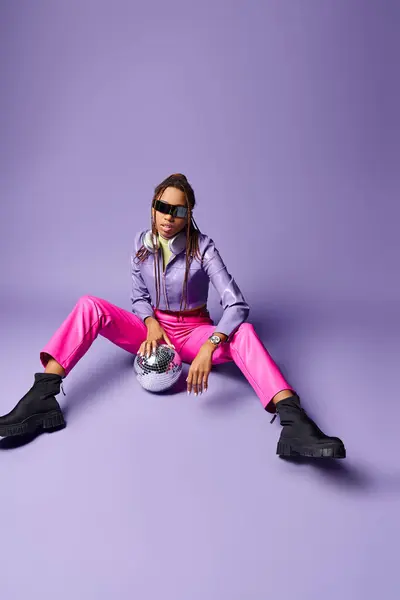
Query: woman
{"points": [[178, 317]]}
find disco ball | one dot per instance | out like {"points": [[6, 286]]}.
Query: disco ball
{"points": [[160, 370]]}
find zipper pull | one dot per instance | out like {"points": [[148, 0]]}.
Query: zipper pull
{"points": [[273, 418]]}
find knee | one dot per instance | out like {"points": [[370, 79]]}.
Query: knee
{"points": [[86, 298], [88, 301], [247, 328]]}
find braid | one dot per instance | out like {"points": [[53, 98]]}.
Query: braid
{"points": [[179, 181]]}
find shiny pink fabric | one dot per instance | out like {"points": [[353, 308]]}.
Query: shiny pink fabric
{"points": [[93, 316]]}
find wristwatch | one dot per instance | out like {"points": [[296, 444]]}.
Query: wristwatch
{"points": [[215, 339]]}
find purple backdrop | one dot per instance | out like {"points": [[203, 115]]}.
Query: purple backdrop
{"points": [[284, 116]]}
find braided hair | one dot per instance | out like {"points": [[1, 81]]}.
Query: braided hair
{"points": [[179, 181]]}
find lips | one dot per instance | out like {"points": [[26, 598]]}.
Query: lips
{"points": [[167, 227]]}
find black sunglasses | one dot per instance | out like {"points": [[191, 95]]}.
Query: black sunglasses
{"points": [[170, 209]]}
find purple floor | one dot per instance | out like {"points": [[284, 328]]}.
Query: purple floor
{"points": [[168, 496], [285, 118]]}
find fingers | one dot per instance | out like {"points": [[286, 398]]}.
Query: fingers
{"points": [[150, 346], [189, 384], [194, 383], [197, 382], [168, 341], [202, 382], [147, 347]]}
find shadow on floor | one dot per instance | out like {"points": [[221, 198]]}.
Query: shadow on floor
{"points": [[339, 472], [84, 391]]}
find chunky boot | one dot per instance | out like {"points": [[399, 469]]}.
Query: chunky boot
{"points": [[301, 436], [37, 409]]}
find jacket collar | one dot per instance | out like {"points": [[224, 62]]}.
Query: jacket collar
{"points": [[176, 244]]}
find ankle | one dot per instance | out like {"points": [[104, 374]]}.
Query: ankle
{"points": [[54, 368], [283, 395]]}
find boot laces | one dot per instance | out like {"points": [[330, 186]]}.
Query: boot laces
{"points": [[302, 412]]}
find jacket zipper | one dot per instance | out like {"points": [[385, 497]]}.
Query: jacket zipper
{"points": [[165, 287], [165, 292]]}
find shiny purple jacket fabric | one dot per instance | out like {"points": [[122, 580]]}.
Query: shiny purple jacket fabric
{"points": [[210, 268]]}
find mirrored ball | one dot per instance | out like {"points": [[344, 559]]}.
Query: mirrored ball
{"points": [[160, 370]]}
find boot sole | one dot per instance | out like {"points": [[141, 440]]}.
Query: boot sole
{"points": [[331, 451], [47, 421]]}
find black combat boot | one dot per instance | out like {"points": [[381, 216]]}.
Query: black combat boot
{"points": [[37, 409], [300, 436]]}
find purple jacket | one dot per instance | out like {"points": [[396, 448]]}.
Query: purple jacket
{"points": [[211, 268]]}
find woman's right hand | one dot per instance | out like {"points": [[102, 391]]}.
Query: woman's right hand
{"points": [[155, 335]]}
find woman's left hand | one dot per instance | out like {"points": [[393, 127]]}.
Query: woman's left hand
{"points": [[199, 370]]}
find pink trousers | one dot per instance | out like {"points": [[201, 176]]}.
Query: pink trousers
{"points": [[92, 316]]}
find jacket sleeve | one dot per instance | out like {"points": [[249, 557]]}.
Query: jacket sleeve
{"points": [[236, 309], [140, 296]]}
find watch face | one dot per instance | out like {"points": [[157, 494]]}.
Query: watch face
{"points": [[215, 339]]}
